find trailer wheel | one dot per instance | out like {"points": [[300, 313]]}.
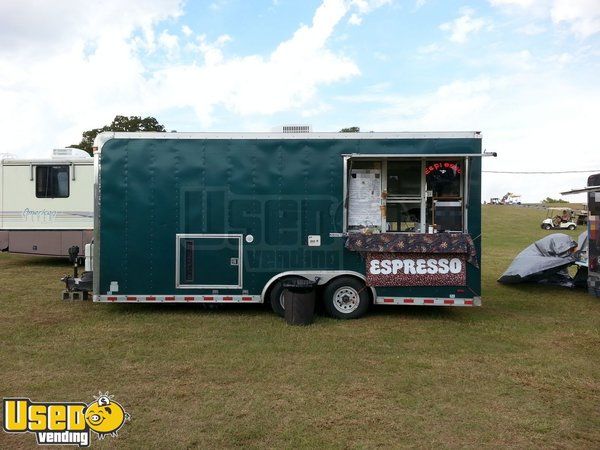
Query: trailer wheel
{"points": [[276, 295], [346, 298]]}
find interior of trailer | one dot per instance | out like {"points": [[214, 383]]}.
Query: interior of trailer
{"points": [[405, 195]]}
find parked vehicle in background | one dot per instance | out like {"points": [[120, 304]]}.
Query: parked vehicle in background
{"points": [[559, 219], [46, 205], [593, 223]]}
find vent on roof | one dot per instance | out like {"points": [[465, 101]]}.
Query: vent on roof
{"points": [[296, 129]]}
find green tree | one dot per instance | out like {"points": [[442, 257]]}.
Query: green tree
{"points": [[120, 123], [554, 200], [350, 130]]}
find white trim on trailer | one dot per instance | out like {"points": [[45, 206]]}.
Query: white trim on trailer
{"points": [[105, 136], [319, 276], [204, 298], [428, 301]]}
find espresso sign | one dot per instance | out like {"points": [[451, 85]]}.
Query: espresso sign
{"points": [[416, 269]]}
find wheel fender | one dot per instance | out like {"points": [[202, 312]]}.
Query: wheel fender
{"points": [[322, 277]]}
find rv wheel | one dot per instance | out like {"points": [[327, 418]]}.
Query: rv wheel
{"points": [[346, 298], [276, 295]]}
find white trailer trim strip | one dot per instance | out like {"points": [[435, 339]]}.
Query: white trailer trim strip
{"points": [[178, 298], [428, 301], [105, 136]]}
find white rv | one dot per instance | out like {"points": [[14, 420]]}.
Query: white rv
{"points": [[46, 205]]}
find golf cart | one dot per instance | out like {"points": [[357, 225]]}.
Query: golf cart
{"points": [[559, 219]]}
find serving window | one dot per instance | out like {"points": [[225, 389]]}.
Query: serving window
{"points": [[405, 195]]}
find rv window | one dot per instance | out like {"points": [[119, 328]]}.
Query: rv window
{"points": [[52, 181]]}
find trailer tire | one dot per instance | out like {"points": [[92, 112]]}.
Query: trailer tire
{"points": [[346, 298], [276, 295]]}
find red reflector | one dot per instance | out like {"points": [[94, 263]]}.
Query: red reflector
{"points": [[131, 298], [188, 299], [460, 291], [468, 302], [388, 300], [409, 300], [207, 298], [246, 299], [170, 298], [227, 299], [150, 298], [448, 302], [429, 301], [112, 299]]}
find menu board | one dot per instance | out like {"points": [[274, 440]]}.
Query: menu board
{"points": [[364, 198]]}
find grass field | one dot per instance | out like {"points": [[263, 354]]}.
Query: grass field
{"points": [[522, 371]]}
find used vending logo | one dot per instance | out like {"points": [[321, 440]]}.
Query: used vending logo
{"points": [[64, 423]]}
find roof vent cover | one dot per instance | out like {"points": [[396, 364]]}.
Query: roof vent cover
{"points": [[296, 128]]}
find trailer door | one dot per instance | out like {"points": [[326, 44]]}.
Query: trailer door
{"points": [[209, 261]]}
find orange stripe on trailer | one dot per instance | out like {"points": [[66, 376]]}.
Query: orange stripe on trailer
{"points": [[131, 298], [246, 299]]}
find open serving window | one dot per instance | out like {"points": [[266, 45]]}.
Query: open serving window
{"points": [[422, 194]]}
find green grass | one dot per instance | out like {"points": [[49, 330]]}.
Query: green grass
{"points": [[522, 371]]}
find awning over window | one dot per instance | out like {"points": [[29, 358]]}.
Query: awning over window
{"points": [[414, 243]]}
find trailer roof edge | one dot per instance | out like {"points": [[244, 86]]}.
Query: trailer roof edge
{"points": [[582, 190], [104, 137]]}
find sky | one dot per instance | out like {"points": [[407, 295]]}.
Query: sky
{"points": [[523, 72]]}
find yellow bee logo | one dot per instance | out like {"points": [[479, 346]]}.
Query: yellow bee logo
{"points": [[105, 416]]}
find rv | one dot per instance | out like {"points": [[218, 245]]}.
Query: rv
{"points": [[370, 218], [46, 205]]}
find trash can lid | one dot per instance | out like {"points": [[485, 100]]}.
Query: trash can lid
{"points": [[299, 285]]}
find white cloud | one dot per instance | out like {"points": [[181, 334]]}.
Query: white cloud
{"points": [[355, 19], [187, 31], [70, 66], [362, 7], [461, 27], [169, 42], [581, 17], [429, 48], [535, 121]]}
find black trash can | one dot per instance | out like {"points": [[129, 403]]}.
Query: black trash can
{"points": [[299, 301]]}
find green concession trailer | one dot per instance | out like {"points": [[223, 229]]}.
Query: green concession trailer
{"points": [[372, 218]]}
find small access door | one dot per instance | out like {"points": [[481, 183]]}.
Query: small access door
{"points": [[209, 261]]}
